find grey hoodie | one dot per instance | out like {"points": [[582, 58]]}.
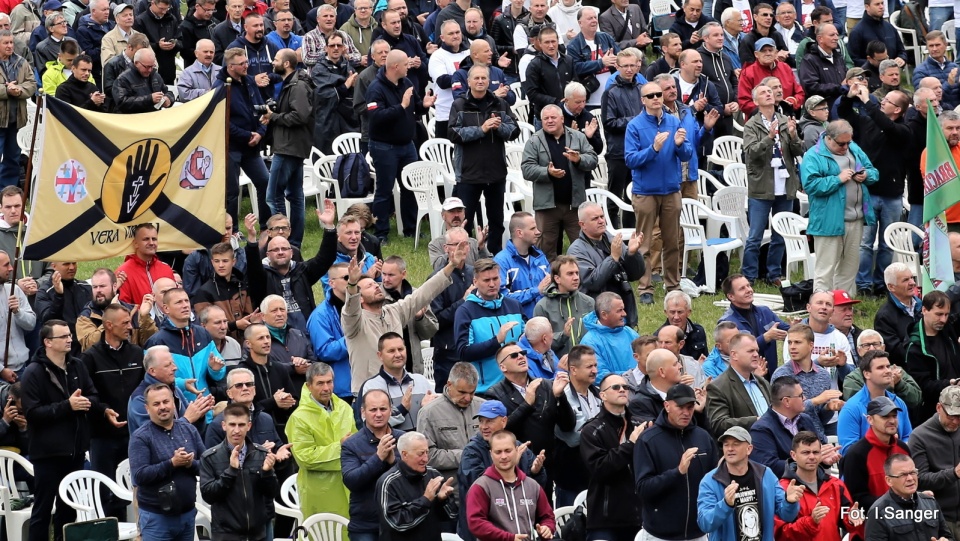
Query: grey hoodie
{"points": [[558, 307]]}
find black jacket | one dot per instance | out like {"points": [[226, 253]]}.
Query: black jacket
{"points": [[263, 281], [405, 515], [444, 307], [534, 423], [240, 498], [112, 71], [685, 31], [361, 468], [193, 30], [116, 374], [695, 344], [262, 429], [894, 325], [291, 124], [389, 121], [50, 305], [620, 103], [545, 82], [646, 405], [55, 429], [611, 497], [244, 120], [132, 92], [719, 70], [883, 141], [333, 113], [665, 493], [222, 35], [479, 157], [168, 28], [77, 92], [502, 33], [900, 525], [584, 118], [270, 378], [410, 45], [912, 149], [819, 76]]}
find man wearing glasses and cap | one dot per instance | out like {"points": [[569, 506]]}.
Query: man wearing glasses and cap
{"points": [[767, 65], [667, 478]]}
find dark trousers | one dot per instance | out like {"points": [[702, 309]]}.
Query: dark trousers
{"points": [[251, 162], [389, 160], [440, 129], [105, 455], [618, 176], [48, 472], [553, 223], [493, 193]]}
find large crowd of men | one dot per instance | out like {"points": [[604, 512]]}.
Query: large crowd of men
{"points": [[220, 375]]}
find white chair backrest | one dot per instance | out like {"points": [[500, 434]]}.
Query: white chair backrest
{"points": [[439, 151], [521, 109], [326, 527], [123, 475], [517, 89], [346, 143], [514, 155], [789, 226], [729, 147], [526, 132], [581, 499], [562, 514], [450, 537], [8, 461], [289, 493], [693, 233], [735, 174], [659, 7], [432, 128], [81, 491], [732, 201], [422, 178], [427, 355], [899, 237]]}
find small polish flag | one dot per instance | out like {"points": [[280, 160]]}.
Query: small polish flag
{"points": [[371, 106], [457, 86]]}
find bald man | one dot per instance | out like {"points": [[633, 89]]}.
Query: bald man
{"points": [[197, 78], [481, 54], [664, 370]]}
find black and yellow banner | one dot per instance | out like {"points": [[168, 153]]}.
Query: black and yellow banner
{"points": [[101, 174]]}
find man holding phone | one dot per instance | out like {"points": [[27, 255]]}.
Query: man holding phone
{"points": [[79, 90], [835, 174]]}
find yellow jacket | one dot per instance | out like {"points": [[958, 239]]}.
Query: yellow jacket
{"points": [[54, 77]]}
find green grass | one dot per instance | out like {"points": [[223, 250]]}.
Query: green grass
{"points": [[418, 269]]}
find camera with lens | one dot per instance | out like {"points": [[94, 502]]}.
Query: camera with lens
{"points": [[270, 106]]}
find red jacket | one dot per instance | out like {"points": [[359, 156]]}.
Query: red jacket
{"points": [[140, 278], [511, 507], [831, 493], [754, 73]]}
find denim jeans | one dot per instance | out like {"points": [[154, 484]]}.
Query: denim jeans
{"points": [[758, 215], [915, 217], [840, 19], [389, 160], [887, 211], [938, 16], [10, 168], [363, 536], [286, 182], [159, 527], [250, 161]]}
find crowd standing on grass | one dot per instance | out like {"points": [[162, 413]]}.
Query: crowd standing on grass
{"points": [[220, 375]]}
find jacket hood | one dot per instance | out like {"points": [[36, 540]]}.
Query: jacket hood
{"points": [[571, 10], [790, 473], [553, 292], [492, 473], [495, 304], [592, 324]]}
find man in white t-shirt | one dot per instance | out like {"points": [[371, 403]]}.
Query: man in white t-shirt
{"points": [[831, 349]]}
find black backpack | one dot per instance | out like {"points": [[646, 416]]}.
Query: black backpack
{"points": [[353, 174], [911, 18]]}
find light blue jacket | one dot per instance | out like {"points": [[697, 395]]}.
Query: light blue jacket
{"points": [[520, 279], [716, 518], [852, 424], [655, 173], [713, 366], [612, 345], [330, 346], [368, 260], [820, 175]]}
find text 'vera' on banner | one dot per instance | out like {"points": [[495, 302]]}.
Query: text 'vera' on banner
{"points": [[102, 174]]}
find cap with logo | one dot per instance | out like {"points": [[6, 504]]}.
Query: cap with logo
{"points": [[491, 409], [842, 298], [451, 203], [737, 433], [881, 406], [764, 42]]}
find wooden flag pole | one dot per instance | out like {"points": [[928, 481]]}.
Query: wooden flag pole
{"points": [[19, 244]]}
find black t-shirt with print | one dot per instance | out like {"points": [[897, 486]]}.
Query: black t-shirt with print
{"points": [[746, 508]]}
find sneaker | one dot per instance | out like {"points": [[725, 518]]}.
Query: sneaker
{"points": [[646, 298]]}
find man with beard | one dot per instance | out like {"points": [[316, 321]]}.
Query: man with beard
{"points": [[260, 54], [291, 140], [116, 369], [334, 78], [90, 321], [453, 212]]}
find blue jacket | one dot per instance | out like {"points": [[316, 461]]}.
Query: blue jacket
{"points": [[819, 174], [361, 468], [697, 134], [716, 518], [519, 279], [612, 345], [764, 316], [714, 365], [853, 424], [930, 68], [476, 324], [260, 57], [293, 42], [367, 260], [870, 29], [329, 344], [655, 173], [243, 121], [191, 347], [537, 367], [151, 468], [772, 442], [89, 36], [137, 406], [703, 88], [579, 51]]}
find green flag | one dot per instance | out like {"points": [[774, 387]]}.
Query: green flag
{"points": [[941, 190]]}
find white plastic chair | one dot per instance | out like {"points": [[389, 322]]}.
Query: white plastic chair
{"points": [[346, 143], [735, 174], [660, 7], [252, 192], [600, 197], [726, 149], [427, 355], [562, 514], [326, 527], [790, 226], [581, 499], [705, 179], [601, 175], [123, 479], [421, 179], [526, 132], [731, 201], [521, 109], [312, 185], [204, 516], [323, 171], [14, 521], [514, 156], [899, 237], [450, 537], [909, 38], [695, 238], [440, 152], [517, 89], [81, 491]]}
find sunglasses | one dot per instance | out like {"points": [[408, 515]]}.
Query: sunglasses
{"points": [[515, 354], [653, 95], [242, 384], [616, 387]]}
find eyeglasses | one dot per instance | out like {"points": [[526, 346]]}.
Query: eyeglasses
{"points": [[616, 387], [242, 384], [842, 144], [653, 95], [801, 395], [61, 337], [872, 345], [819, 109], [61, 23], [764, 14], [145, 66], [913, 473], [515, 354], [362, 9], [278, 250], [334, 45], [280, 228], [244, 63]]}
